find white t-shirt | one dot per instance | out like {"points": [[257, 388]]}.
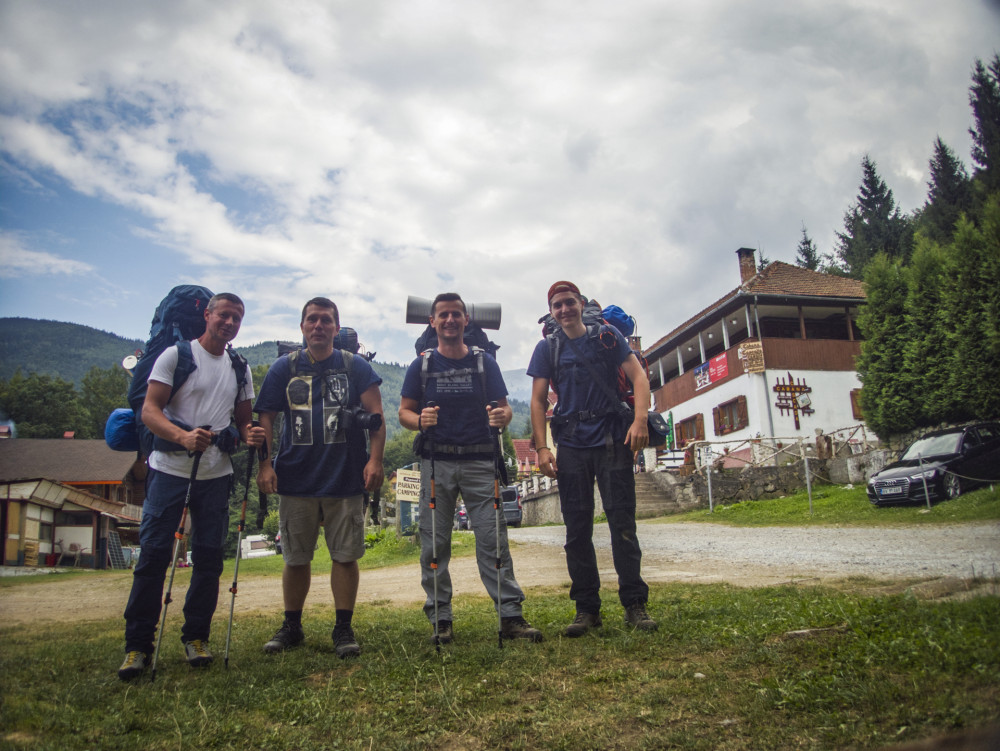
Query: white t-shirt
{"points": [[207, 397]]}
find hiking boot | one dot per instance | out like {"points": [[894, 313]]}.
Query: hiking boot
{"points": [[445, 635], [196, 653], [582, 624], [637, 617], [516, 627], [344, 642], [135, 665], [286, 637]]}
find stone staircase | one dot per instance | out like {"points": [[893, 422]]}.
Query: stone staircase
{"points": [[651, 500]]}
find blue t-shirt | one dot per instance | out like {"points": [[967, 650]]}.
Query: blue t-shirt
{"points": [[316, 456], [576, 388], [462, 418]]}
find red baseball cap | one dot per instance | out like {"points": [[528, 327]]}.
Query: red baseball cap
{"points": [[558, 287]]}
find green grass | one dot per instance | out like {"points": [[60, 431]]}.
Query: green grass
{"points": [[721, 673], [837, 505]]}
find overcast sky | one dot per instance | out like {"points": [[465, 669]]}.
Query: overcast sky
{"points": [[367, 151]]}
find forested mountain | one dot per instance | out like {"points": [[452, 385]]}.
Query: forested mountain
{"points": [[63, 350]]}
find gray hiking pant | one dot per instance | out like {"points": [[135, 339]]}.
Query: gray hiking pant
{"points": [[472, 479]]}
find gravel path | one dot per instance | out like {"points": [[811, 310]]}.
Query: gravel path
{"points": [[938, 556], [961, 551]]}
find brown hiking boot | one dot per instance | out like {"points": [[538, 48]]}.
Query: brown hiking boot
{"points": [[582, 624], [516, 627], [636, 616]]}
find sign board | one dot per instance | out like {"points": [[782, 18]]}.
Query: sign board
{"points": [[408, 485], [751, 354], [709, 372]]}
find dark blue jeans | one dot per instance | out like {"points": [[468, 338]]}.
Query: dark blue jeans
{"points": [[612, 469], [161, 516]]}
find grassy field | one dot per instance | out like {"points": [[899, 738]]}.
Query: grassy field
{"points": [[838, 505], [790, 667]]}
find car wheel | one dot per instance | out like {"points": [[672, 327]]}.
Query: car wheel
{"points": [[952, 485]]}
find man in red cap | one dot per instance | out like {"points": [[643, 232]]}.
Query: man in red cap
{"points": [[597, 435]]}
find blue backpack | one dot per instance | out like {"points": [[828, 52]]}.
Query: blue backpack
{"points": [[179, 318]]}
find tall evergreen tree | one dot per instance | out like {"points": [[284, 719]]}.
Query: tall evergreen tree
{"points": [[102, 392], [928, 342], [949, 194], [984, 96], [872, 225], [886, 401], [807, 256], [973, 307]]}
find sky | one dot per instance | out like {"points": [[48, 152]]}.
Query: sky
{"points": [[371, 151]]}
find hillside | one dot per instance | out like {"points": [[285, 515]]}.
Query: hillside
{"points": [[69, 350]]}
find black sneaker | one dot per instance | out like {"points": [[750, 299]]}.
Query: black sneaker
{"points": [[445, 635], [135, 665], [637, 617], [582, 624], [516, 627], [344, 642], [196, 653], [286, 637]]}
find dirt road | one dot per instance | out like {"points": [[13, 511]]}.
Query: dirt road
{"points": [[944, 558]]}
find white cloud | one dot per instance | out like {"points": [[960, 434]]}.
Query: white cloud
{"points": [[18, 261]]}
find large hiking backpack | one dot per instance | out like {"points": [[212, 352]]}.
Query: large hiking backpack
{"points": [[474, 336], [179, 318]]}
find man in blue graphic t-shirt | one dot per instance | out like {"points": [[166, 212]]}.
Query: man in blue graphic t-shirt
{"points": [[322, 467], [596, 441], [461, 383]]}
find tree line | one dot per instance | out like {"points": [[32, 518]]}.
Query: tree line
{"points": [[931, 325]]}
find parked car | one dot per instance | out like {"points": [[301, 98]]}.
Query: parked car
{"points": [[951, 461], [461, 517], [510, 497]]}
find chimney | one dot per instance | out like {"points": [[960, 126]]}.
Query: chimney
{"points": [[748, 268]]}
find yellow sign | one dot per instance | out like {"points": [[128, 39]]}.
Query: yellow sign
{"points": [[408, 485], [751, 354]]}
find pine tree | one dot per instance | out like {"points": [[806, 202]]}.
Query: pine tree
{"points": [[807, 256], [872, 225], [973, 304], [886, 401], [984, 96], [949, 194], [929, 343]]}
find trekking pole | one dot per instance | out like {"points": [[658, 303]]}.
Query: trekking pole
{"points": [[434, 554], [178, 536], [262, 451], [497, 455]]}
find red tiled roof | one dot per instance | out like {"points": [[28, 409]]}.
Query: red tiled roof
{"points": [[524, 452]]}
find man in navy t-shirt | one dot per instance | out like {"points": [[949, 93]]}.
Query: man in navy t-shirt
{"points": [[322, 467], [596, 439], [459, 429]]}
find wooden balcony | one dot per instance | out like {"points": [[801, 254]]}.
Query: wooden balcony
{"points": [[779, 354]]}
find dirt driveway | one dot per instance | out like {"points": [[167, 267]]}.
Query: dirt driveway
{"points": [[937, 561]]}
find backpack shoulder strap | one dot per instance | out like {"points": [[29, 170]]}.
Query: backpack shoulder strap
{"points": [[240, 367], [477, 352], [424, 372], [185, 366]]}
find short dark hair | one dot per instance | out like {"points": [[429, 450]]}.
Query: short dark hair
{"points": [[228, 297], [322, 302], [448, 297]]}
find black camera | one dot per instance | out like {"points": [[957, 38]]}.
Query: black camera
{"points": [[358, 418]]}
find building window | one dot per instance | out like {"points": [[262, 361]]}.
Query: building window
{"points": [[731, 416], [856, 404], [691, 429]]}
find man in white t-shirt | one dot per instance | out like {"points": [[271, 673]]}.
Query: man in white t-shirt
{"points": [[212, 396]]}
